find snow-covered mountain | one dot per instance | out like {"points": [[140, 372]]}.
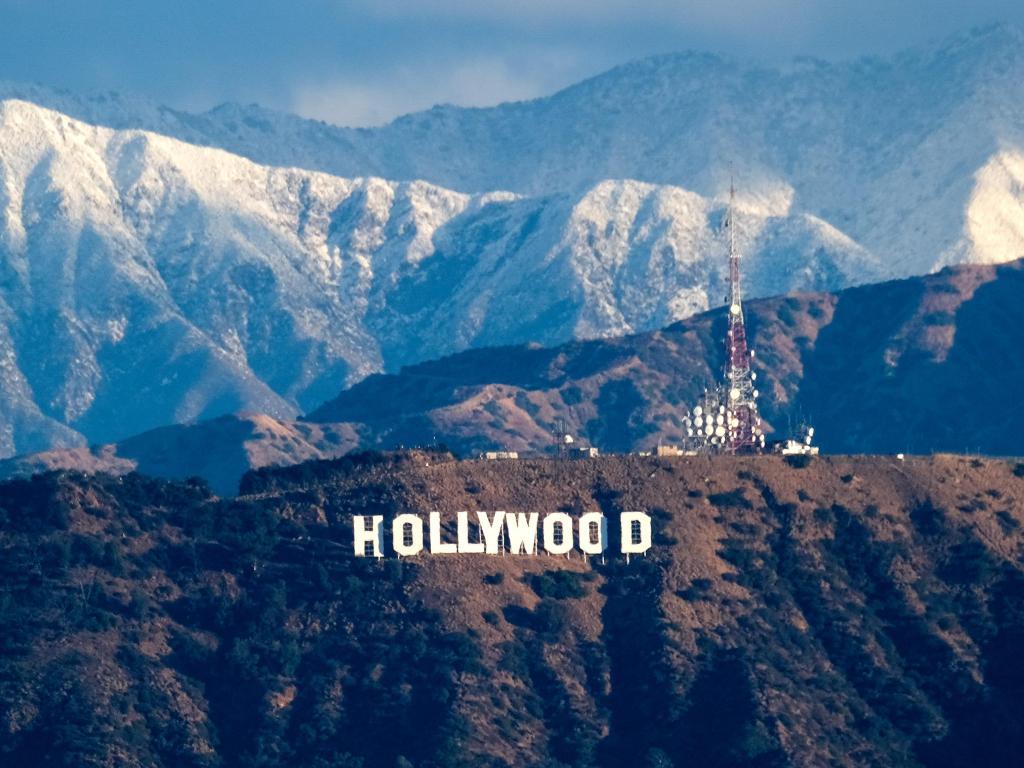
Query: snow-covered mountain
{"points": [[916, 157], [158, 266], [145, 281]]}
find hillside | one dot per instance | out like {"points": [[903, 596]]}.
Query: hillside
{"points": [[850, 612], [145, 281], [219, 450], [919, 365], [899, 367]]}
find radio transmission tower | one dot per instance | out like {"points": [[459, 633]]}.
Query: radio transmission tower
{"points": [[743, 430]]}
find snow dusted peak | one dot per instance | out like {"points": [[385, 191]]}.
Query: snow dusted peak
{"points": [[178, 265], [995, 212], [173, 282]]}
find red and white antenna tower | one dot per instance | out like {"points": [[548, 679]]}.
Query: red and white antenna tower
{"points": [[743, 430]]}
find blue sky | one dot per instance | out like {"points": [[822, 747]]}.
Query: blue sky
{"points": [[362, 62]]}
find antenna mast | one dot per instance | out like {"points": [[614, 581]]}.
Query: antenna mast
{"points": [[743, 431]]}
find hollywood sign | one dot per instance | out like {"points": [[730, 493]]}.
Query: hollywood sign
{"points": [[498, 533]]}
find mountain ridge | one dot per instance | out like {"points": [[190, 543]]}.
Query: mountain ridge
{"points": [[885, 149], [894, 367], [267, 288], [170, 282], [888, 368]]}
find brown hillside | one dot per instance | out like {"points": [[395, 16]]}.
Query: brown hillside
{"points": [[854, 611], [220, 450], [920, 365], [926, 364]]}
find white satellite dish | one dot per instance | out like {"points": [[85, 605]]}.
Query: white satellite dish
{"points": [[698, 411], [719, 431], [734, 394]]}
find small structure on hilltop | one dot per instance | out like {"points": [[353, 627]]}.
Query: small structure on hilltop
{"points": [[801, 444], [499, 455], [672, 450], [566, 446]]}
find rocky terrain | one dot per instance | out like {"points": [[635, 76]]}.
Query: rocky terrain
{"points": [[841, 611]]}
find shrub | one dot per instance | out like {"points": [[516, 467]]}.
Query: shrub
{"points": [[697, 590], [557, 584], [939, 318], [550, 619], [733, 498], [1007, 521], [786, 316], [928, 518]]}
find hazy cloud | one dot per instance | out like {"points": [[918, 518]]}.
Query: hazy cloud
{"points": [[375, 98], [366, 61]]}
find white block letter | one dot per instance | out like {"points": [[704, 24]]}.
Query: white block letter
{"points": [[557, 533], [491, 529], [522, 533], [593, 533], [465, 545], [407, 535], [437, 546], [636, 532], [361, 536]]}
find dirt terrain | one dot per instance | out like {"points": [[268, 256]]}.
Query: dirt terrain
{"points": [[921, 365], [851, 611]]}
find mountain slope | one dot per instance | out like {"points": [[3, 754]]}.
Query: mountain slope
{"points": [[219, 450], [918, 365], [144, 281], [919, 157], [854, 612]]}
